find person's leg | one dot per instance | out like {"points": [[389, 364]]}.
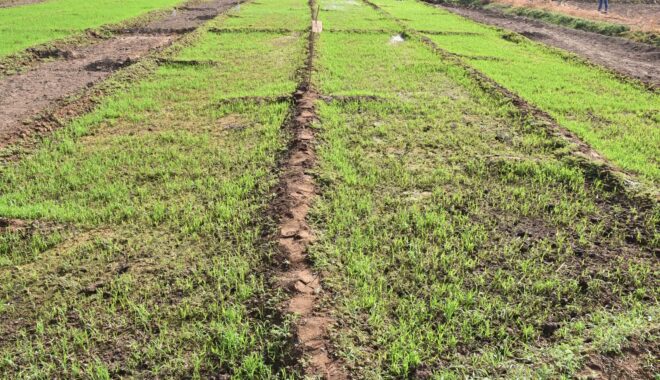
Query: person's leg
{"points": [[606, 5], [600, 5]]}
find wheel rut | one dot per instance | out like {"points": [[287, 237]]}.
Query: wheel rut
{"points": [[295, 194], [42, 90]]}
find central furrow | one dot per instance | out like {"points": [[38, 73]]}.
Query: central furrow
{"points": [[296, 192]]}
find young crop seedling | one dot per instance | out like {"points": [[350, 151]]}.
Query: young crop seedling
{"points": [[26, 26], [387, 199], [167, 183]]}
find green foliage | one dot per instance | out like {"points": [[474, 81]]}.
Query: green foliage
{"points": [[618, 118], [453, 235], [18, 247], [25, 26], [168, 183]]}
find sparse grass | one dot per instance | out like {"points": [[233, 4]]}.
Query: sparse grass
{"points": [[456, 236], [352, 15], [23, 27], [169, 187], [280, 14], [618, 118], [22, 246]]}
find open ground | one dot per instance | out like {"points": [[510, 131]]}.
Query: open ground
{"points": [[216, 191]]}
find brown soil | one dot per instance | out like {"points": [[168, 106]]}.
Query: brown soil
{"points": [[638, 361], [629, 58], [296, 191], [32, 93], [12, 224], [644, 17], [15, 3]]}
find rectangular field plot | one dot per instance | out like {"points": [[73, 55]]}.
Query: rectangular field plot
{"points": [[353, 15], [618, 118], [25, 26], [149, 257], [376, 66], [268, 15], [421, 16], [251, 64], [456, 237], [459, 252]]}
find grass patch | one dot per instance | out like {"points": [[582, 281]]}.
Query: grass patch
{"points": [[353, 15], [281, 14], [171, 187], [110, 165], [618, 118], [455, 239], [23, 27], [25, 245]]}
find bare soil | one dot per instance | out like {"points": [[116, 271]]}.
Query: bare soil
{"points": [[632, 363], [644, 17], [628, 58], [28, 95], [15, 3]]}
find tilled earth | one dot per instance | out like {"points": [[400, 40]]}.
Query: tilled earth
{"points": [[626, 57], [30, 94]]}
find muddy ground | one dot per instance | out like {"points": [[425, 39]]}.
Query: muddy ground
{"points": [[28, 95], [629, 58]]}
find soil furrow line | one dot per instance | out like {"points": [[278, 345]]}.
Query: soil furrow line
{"points": [[587, 157], [42, 90], [295, 193]]}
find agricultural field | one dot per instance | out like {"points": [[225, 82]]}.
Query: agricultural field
{"points": [[22, 27], [408, 194]]}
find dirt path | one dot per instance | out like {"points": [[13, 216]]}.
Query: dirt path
{"points": [[28, 95], [644, 17], [15, 3], [626, 57]]}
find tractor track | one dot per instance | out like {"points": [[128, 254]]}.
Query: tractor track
{"points": [[36, 101]]}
